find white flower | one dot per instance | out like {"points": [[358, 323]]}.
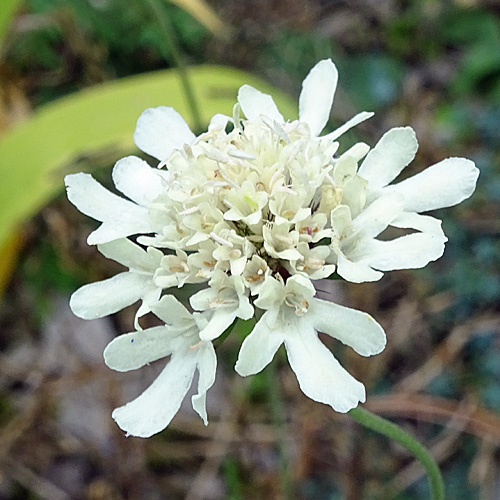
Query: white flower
{"points": [[253, 211], [153, 410], [293, 317]]}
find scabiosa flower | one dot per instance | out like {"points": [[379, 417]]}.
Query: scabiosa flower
{"points": [[253, 211]]}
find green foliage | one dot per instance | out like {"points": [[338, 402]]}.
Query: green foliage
{"points": [[45, 272], [372, 80], [129, 37], [39, 50], [477, 32], [233, 480], [7, 11], [295, 52]]}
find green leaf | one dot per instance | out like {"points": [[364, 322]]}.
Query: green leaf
{"points": [[35, 155], [7, 10]]}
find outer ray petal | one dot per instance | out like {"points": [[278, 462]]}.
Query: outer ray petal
{"points": [[129, 254], [154, 409], [207, 367], [424, 223], [356, 272], [412, 251], [348, 125], [378, 215], [444, 184], [319, 374], [113, 230], [120, 217], [109, 296], [137, 180], [395, 150], [254, 104], [258, 348], [354, 328], [131, 351], [160, 131], [97, 202], [316, 98]]}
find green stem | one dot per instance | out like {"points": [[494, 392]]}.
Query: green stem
{"points": [[392, 431], [279, 421], [175, 52]]}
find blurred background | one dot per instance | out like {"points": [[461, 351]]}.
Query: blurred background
{"points": [[74, 77]]}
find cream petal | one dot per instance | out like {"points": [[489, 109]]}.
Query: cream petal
{"points": [[395, 150], [207, 367], [109, 296], [218, 323], [354, 194], [148, 300], [137, 180], [272, 291], [160, 131], [259, 347], [444, 184], [354, 328], [316, 97], [357, 152], [356, 272], [238, 266], [172, 312], [412, 251], [245, 310], [320, 375], [378, 215], [348, 125], [341, 220], [254, 104], [200, 301], [154, 409], [219, 121], [131, 351]]}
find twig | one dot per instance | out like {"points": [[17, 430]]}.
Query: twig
{"points": [[31, 481]]}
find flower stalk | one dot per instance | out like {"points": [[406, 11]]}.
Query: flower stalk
{"points": [[175, 52], [394, 432], [279, 422]]}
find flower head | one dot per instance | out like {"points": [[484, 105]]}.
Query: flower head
{"points": [[256, 209]]}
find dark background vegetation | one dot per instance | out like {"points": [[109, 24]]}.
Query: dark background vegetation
{"points": [[429, 64]]}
